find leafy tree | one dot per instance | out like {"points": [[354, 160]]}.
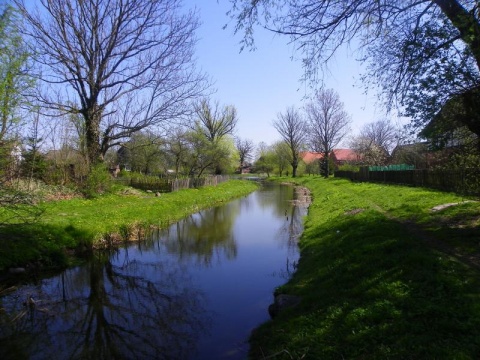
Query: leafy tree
{"points": [[328, 124], [265, 162], [177, 149], [293, 130], [14, 76], [447, 130], [215, 121], [145, 153], [282, 156], [420, 52], [124, 65], [412, 154], [205, 156]]}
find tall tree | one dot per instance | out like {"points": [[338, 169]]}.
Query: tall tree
{"points": [[124, 65], [14, 77], [421, 52], [328, 123], [293, 130]]}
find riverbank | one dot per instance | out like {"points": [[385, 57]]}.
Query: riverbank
{"points": [[68, 228], [384, 273]]}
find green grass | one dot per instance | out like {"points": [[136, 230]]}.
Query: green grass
{"points": [[371, 286], [83, 223]]}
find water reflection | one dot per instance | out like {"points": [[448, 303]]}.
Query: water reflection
{"points": [[194, 291], [205, 235], [114, 308]]}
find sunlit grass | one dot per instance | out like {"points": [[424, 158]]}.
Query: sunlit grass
{"points": [[82, 223], [370, 287]]}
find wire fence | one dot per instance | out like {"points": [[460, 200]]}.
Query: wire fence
{"points": [[462, 181]]}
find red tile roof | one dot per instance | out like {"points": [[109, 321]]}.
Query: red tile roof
{"points": [[346, 155], [339, 155]]}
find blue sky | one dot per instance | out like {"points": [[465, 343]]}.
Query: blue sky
{"points": [[262, 83]]}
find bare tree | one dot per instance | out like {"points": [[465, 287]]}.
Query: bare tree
{"points": [[420, 52], [376, 141], [328, 123], [177, 148], [245, 149], [382, 133], [124, 65], [293, 130], [215, 121]]}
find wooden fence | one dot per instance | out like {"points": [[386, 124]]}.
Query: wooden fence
{"points": [[169, 185], [462, 181]]}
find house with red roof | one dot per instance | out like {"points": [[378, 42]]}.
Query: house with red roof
{"points": [[339, 156]]}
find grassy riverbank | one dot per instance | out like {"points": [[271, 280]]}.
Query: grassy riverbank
{"points": [[80, 224], [381, 276]]}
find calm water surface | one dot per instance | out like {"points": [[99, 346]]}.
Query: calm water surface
{"points": [[194, 291]]}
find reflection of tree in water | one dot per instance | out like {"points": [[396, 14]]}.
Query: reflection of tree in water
{"points": [[107, 310], [205, 235], [276, 197], [292, 228]]}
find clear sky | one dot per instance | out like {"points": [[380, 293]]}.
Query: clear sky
{"points": [[262, 83]]}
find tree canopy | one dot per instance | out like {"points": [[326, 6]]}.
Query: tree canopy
{"points": [[14, 77], [124, 65], [420, 52]]}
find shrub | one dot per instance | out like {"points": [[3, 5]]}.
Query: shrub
{"points": [[99, 181]]}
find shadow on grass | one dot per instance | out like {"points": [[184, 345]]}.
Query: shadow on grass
{"points": [[38, 245], [371, 291]]}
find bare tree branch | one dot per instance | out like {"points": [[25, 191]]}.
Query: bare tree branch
{"points": [[124, 65]]}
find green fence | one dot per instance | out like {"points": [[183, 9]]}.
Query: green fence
{"points": [[396, 167]]}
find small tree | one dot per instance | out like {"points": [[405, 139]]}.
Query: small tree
{"points": [[282, 156], [177, 149], [245, 149], [328, 124], [293, 130], [145, 152], [215, 122]]}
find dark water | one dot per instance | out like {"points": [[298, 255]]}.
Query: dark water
{"points": [[194, 291]]}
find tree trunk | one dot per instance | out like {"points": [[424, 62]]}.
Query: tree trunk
{"points": [[327, 164], [465, 22], [92, 136], [294, 167]]}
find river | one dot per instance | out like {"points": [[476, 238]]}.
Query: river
{"points": [[193, 291]]}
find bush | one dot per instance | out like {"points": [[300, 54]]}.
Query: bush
{"points": [[99, 181]]}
